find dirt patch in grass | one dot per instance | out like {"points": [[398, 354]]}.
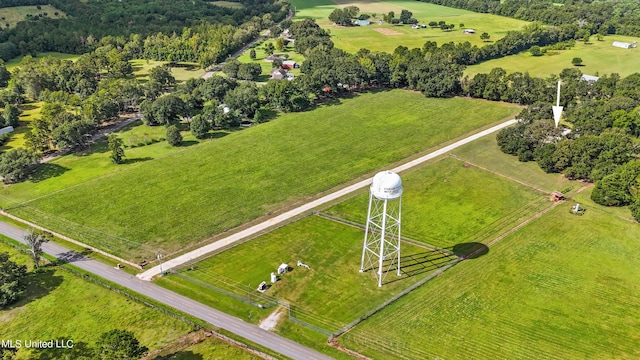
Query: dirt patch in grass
{"points": [[388, 32]]}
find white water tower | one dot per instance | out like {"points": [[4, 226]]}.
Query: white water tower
{"points": [[381, 250]]}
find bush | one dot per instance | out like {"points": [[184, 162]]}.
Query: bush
{"points": [[174, 138]]}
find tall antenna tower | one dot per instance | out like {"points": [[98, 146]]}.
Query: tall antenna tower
{"points": [[381, 250]]}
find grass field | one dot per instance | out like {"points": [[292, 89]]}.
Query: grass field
{"points": [[60, 305], [447, 204], [229, 4], [185, 197], [354, 38], [15, 62], [30, 111], [563, 287], [333, 292], [180, 71], [599, 57], [12, 15]]}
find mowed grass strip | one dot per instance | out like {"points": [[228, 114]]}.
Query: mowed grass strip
{"points": [[563, 287], [447, 204], [207, 188], [354, 38], [332, 292], [61, 305], [598, 57]]}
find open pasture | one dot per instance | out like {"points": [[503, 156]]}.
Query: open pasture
{"points": [[332, 292], [228, 4], [599, 57], [15, 62], [353, 38], [562, 287], [61, 305], [189, 195], [180, 71], [447, 204], [10, 16]]}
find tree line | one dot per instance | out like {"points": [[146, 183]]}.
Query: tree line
{"points": [[177, 30], [601, 146]]}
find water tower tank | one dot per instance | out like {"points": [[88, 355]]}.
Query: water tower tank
{"points": [[386, 185]]}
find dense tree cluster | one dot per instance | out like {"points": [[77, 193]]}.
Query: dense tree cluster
{"points": [[210, 32], [603, 17], [602, 144]]}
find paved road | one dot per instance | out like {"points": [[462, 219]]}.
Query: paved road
{"points": [[204, 250], [217, 318]]}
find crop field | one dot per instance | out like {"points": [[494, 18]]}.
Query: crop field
{"points": [[599, 57], [229, 4], [352, 39], [15, 62], [61, 305], [453, 206], [10, 16], [562, 287], [193, 193], [332, 292]]}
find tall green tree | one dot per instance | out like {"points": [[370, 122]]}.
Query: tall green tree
{"points": [[116, 148], [11, 115], [119, 344], [16, 164], [174, 138], [11, 280], [34, 239], [199, 126]]}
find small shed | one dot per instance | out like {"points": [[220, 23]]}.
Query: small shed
{"points": [[272, 58], [278, 73], [362, 22], [290, 64], [557, 196], [6, 130], [589, 78], [624, 45], [283, 268], [469, 31], [415, 26]]}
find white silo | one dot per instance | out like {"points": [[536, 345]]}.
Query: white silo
{"points": [[381, 250]]}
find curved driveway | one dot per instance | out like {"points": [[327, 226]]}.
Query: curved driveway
{"points": [[204, 250]]}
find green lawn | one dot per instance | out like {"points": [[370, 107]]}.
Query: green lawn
{"points": [[599, 57], [229, 4], [563, 287], [485, 152], [180, 71], [30, 111], [267, 66], [447, 204], [60, 305], [201, 190], [10, 16], [15, 62], [354, 38], [333, 292]]}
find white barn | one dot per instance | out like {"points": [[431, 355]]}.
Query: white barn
{"points": [[624, 45]]}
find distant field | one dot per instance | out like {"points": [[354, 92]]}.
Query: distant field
{"points": [[15, 14], [599, 57], [333, 292], [354, 38], [169, 203], [444, 206], [13, 63], [563, 287], [229, 4], [60, 305], [30, 111], [182, 71]]}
